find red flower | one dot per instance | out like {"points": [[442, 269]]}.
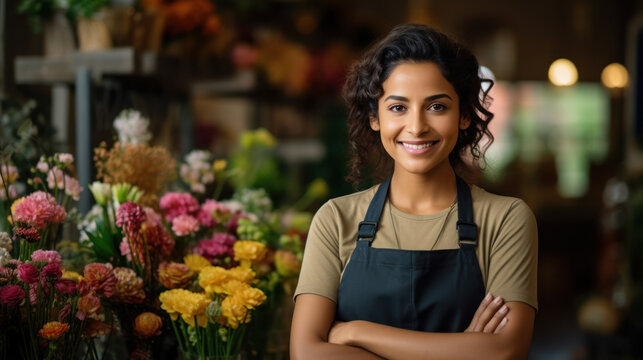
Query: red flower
{"points": [[66, 286], [100, 278], [11, 295], [52, 271], [28, 273]]}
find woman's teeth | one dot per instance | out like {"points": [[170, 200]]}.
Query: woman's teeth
{"points": [[421, 146]]}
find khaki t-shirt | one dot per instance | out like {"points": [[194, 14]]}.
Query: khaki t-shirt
{"points": [[507, 241]]}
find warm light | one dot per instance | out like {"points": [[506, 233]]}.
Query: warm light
{"points": [[614, 76], [562, 72]]}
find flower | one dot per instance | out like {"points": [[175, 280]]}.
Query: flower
{"points": [[132, 127], [219, 165], [5, 241], [196, 262], [13, 192], [5, 256], [129, 286], [174, 275], [53, 330], [101, 192], [14, 205], [206, 213], [183, 225], [287, 263], [243, 274], [9, 174], [89, 307], [31, 235], [174, 204], [123, 192], [72, 187], [219, 245], [71, 275], [197, 171], [64, 312], [39, 210], [247, 251], [28, 273], [159, 240], [148, 324], [64, 158], [11, 295], [130, 216], [212, 278], [95, 328], [234, 312], [186, 303], [42, 166], [247, 295], [52, 271], [49, 256], [66, 286], [100, 278], [55, 178]]}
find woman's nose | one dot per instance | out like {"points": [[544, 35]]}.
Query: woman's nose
{"points": [[417, 123]]}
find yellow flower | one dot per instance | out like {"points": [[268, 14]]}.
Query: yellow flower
{"points": [[219, 165], [13, 207], [247, 252], [242, 274], [234, 312], [148, 324], [186, 303], [71, 275], [232, 287], [250, 297], [196, 262], [53, 330], [212, 277]]}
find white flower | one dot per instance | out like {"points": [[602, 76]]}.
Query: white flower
{"points": [[4, 257], [101, 191], [42, 166], [5, 241], [197, 156], [132, 127]]}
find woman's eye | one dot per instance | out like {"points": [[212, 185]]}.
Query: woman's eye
{"points": [[397, 108], [437, 107]]}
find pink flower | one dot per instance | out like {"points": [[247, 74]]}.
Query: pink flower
{"points": [[183, 225], [50, 256], [100, 278], [31, 235], [28, 273], [6, 273], [52, 271], [42, 166], [64, 312], [65, 158], [159, 240], [11, 295], [33, 292], [39, 210], [130, 216], [13, 192], [126, 251], [56, 178], [175, 204], [72, 187], [219, 245], [206, 213], [66, 286]]}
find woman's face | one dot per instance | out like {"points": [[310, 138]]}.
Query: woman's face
{"points": [[419, 118]]}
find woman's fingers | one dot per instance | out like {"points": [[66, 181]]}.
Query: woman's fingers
{"points": [[488, 314], [496, 320], [501, 325]]}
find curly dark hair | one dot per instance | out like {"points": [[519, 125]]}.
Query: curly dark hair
{"points": [[363, 88]]}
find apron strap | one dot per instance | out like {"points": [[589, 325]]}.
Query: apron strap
{"points": [[368, 227], [466, 227]]}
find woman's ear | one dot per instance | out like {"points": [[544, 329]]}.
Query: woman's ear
{"points": [[375, 123], [465, 121]]}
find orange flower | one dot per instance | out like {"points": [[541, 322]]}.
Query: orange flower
{"points": [[53, 330], [175, 275], [148, 324]]}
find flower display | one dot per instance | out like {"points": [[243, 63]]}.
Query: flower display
{"points": [[184, 225], [129, 286], [195, 262], [100, 279], [187, 304], [11, 295], [217, 247], [39, 210], [175, 275], [247, 252], [53, 330], [175, 204], [148, 324]]}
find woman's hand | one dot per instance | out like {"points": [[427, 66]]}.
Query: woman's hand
{"points": [[490, 317]]}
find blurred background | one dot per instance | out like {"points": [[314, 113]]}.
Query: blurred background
{"points": [[568, 107]]}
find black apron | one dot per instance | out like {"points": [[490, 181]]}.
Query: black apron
{"points": [[425, 290]]}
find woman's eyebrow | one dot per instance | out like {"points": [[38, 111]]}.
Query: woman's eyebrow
{"points": [[426, 99]]}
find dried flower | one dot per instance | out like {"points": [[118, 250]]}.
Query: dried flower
{"points": [[183, 225], [218, 246], [175, 275], [28, 273], [5, 241], [11, 295], [129, 286], [31, 235], [147, 325], [174, 204], [247, 251], [100, 278], [53, 330], [49, 256], [39, 210], [196, 262]]}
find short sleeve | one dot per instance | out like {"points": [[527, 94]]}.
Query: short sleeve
{"points": [[321, 267], [513, 261]]}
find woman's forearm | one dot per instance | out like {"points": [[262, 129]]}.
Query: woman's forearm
{"points": [[323, 350]]}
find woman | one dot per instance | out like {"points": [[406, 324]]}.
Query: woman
{"points": [[400, 271]]}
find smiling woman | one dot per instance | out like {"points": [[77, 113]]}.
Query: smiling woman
{"points": [[409, 280]]}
